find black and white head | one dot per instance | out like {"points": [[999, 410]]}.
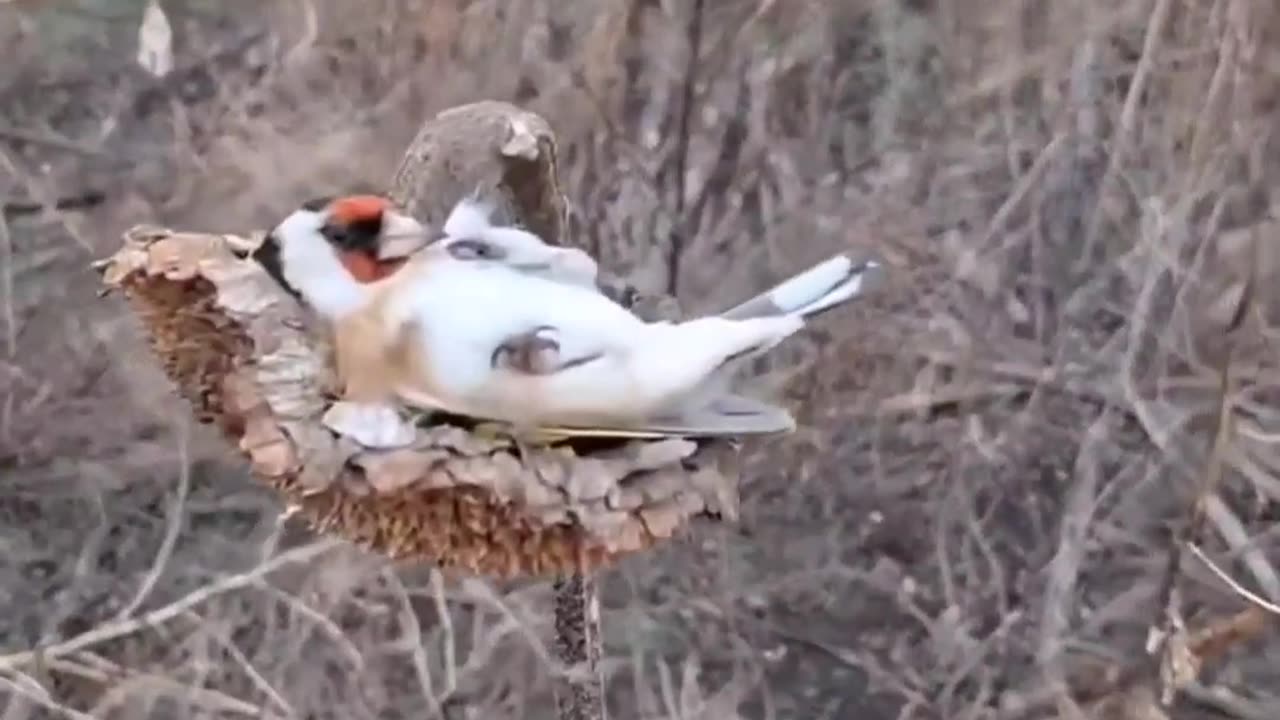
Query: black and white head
{"points": [[327, 250]]}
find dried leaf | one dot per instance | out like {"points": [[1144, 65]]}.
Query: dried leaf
{"points": [[662, 520], [389, 472]]}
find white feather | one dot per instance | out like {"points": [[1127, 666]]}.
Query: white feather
{"points": [[468, 309], [469, 218], [843, 292], [310, 265], [803, 288]]}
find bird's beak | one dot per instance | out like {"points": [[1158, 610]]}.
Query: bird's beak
{"points": [[402, 236]]}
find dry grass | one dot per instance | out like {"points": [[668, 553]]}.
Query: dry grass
{"points": [[993, 491]]}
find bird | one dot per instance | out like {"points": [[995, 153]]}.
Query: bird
{"points": [[371, 240], [537, 351], [428, 332], [331, 254]]}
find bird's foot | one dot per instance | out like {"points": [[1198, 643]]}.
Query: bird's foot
{"points": [[536, 352], [373, 425]]}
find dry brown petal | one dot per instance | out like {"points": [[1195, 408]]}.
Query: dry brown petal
{"points": [[605, 523], [179, 256], [663, 519], [598, 476], [645, 489], [631, 537], [388, 472], [270, 452], [323, 463]]}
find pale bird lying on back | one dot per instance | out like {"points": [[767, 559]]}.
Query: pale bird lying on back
{"points": [[495, 324]]}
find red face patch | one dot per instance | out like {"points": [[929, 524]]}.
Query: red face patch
{"points": [[358, 208], [366, 268]]}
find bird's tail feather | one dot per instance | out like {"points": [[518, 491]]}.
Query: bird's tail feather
{"points": [[828, 284], [730, 415], [848, 287]]}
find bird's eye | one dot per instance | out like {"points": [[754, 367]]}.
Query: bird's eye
{"points": [[337, 234], [475, 250]]}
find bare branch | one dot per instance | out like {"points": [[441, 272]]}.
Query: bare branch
{"points": [[1231, 582], [162, 615]]}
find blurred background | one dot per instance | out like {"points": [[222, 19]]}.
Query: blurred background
{"points": [[989, 497]]}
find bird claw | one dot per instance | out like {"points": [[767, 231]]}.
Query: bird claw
{"points": [[533, 353], [370, 424]]}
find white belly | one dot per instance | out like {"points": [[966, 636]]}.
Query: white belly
{"points": [[466, 311]]}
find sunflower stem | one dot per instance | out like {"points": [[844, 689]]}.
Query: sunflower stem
{"points": [[579, 690]]}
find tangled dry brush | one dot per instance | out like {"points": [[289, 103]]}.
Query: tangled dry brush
{"points": [[1047, 446]]}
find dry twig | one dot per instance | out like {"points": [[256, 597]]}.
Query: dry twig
{"points": [[161, 615]]}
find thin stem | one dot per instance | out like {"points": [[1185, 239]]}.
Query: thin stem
{"points": [[580, 691], [688, 93]]}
